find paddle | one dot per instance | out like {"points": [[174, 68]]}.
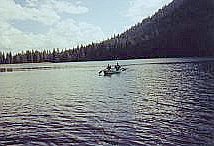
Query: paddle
{"points": [[100, 71]]}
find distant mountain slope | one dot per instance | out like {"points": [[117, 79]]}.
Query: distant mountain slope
{"points": [[183, 28]]}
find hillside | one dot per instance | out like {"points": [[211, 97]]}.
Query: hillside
{"points": [[183, 28]]}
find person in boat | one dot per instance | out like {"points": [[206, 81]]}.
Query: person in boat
{"points": [[117, 66], [108, 67]]}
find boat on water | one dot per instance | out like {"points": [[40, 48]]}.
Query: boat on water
{"points": [[108, 72], [111, 71]]}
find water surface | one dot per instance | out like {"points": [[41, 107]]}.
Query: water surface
{"points": [[154, 102]]}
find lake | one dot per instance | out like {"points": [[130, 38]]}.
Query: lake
{"points": [[154, 102]]}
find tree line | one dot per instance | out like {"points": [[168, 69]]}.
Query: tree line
{"points": [[93, 51], [35, 56]]}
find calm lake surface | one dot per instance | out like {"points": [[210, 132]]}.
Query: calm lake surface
{"points": [[154, 102]]}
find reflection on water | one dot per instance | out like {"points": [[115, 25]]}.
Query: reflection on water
{"points": [[154, 102]]}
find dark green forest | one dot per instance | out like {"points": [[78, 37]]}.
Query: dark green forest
{"points": [[182, 28]]}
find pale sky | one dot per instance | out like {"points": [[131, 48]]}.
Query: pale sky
{"points": [[46, 24]]}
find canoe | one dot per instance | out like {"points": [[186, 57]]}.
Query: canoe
{"points": [[112, 71]]}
